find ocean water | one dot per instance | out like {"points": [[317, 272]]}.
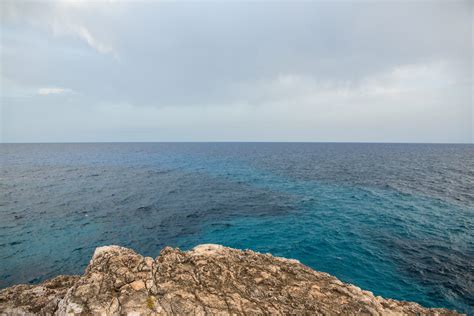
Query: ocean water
{"points": [[396, 219]]}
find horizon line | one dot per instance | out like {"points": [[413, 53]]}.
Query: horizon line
{"points": [[230, 141]]}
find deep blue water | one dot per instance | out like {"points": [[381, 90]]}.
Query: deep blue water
{"points": [[396, 219]]}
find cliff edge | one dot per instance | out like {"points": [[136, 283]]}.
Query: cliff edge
{"points": [[210, 279]]}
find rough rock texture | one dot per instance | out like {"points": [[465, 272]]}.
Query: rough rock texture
{"points": [[210, 279], [34, 299]]}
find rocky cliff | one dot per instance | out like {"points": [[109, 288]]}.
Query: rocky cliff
{"points": [[209, 279]]}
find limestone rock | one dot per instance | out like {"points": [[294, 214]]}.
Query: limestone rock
{"points": [[210, 279], [40, 299]]}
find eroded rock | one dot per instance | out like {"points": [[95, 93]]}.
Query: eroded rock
{"points": [[40, 299], [210, 279]]}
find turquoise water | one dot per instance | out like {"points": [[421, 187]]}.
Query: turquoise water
{"points": [[396, 219]]}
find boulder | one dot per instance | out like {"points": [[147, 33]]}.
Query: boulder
{"points": [[209, 279]]}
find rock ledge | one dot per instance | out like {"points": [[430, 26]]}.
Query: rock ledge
{"points": [[210, 279]]}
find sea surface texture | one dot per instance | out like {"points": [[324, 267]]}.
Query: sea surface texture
{"points": [[396, 219]]}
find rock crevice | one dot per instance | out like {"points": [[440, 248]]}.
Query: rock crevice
{"points": [[210, 279]]}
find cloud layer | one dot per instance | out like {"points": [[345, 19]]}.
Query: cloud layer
{"points": [[53, 90], [306, 71]]}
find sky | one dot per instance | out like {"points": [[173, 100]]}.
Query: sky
{"points": [[315, 71]]}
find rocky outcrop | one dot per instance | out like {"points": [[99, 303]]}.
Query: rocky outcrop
{"points": [[210, 279]]}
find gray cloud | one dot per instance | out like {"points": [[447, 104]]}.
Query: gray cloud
{"points": [[390, 71]]}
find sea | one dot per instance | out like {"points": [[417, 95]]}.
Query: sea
{"points": [[395, 219]]}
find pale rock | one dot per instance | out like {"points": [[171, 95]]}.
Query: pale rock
{"points": [[208, 280]]}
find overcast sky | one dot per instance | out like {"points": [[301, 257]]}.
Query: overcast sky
{"points": [[237, 71]]}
